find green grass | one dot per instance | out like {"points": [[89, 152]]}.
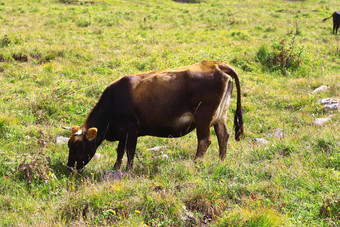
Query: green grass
{"points": [[57, 56]]}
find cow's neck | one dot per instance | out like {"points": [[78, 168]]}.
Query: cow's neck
{"points": [[98, 120]]}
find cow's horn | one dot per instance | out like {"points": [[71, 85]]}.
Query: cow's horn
{"points": [[78, 133], [67, 128]]}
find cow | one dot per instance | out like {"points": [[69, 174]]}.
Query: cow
{"points": [[336, 21], [166, 103]]}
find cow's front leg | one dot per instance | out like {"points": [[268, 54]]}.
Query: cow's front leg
{"points": [[120, 154], [131, 142]]}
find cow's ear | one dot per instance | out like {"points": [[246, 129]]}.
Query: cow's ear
{"points": [[91, 133], [75, 129]]}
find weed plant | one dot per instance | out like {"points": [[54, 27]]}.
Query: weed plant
{"points": [[283, 57], [57, 56]]}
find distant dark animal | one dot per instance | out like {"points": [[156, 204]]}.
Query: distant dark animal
{"points": [[336, 21], [167, 103]]}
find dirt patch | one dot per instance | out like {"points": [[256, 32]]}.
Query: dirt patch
{"points": [[20, 57], [188, 1]]}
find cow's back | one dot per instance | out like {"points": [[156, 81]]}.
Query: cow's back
{"points": [[165, 101]]}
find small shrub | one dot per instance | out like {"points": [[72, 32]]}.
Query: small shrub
{"points": [[5, 41], [35, 167], [284, 56]]}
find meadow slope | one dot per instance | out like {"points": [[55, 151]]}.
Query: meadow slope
{"points": [[57, 56]]}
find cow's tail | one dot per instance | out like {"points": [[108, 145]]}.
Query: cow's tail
{"points": [[328, 17], [238, 122]]}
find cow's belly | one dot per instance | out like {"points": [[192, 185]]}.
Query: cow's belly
{"points": [[176, 127]]}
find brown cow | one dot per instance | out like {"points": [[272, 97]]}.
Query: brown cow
{"points": [[336, 21], [167, 103]]}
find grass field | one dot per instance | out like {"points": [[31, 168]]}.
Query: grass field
{"points": [[57, 56]]}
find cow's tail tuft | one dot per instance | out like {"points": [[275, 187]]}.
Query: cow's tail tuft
{"points": [[238, 124]]}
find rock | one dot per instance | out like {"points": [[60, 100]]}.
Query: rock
{"points": [[61, 140], [278, 132], [188, 217], [113, 175], [322, 88], [329, 104], [331, 107], [157, 148], [165, 156], [97, 156], [327, 101], [320, 121], [261, 141]]}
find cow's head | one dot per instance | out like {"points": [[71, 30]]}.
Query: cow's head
{"points": [[82, 147]]}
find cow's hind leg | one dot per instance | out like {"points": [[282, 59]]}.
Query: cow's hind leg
{"points": [[222, 134], [120, 154], [220, 127]]}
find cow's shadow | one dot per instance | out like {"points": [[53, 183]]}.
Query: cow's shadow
{"points": [[61, 170]]}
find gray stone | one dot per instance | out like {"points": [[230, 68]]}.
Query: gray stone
{"points": [[322, 88], [261, 141], [113, 175], [320, 121], [97, 156], [278, 132], [61, 140], [165, 156], [327, 101], [329, 104], [157, 148], [330, 107]]}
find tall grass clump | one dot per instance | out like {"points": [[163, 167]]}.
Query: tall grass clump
{"points": [[113, 203], [258, 216], [285, 56]]}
